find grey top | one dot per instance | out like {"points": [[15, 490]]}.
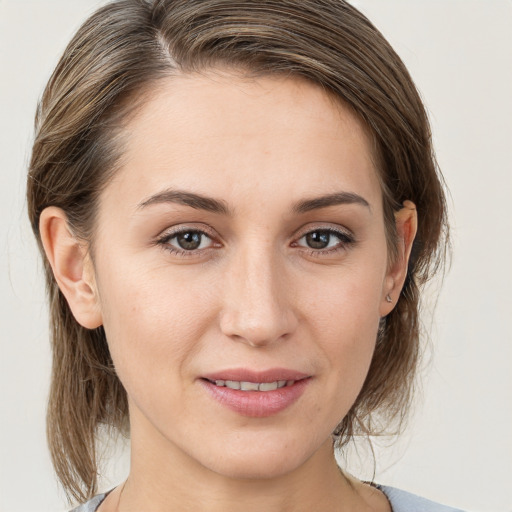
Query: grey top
{"points": [[401, 501]]}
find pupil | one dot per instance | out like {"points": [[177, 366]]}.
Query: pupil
{"points": [[189, 240], [318, 239]]}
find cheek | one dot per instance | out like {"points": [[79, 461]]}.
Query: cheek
{"points": [[152, 322], [346, 299], [343, 314]]}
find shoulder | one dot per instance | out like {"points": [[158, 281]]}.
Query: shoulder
{"points": [[92, 505], [402, 501]]}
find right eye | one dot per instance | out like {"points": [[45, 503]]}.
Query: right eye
{"points": [[185, 242]]}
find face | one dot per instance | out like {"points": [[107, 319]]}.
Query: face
{"points": [[241, 243]]}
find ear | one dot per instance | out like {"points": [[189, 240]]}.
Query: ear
{"points": [[71, 265], [406, 221]]}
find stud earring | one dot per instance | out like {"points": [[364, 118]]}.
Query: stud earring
{"points": [[388, 298]]}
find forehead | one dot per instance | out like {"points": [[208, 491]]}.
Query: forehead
{"points": [[229, 136]]}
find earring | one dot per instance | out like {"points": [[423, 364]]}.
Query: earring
{"points": [[388, 298]]}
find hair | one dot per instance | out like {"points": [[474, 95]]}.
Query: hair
{"points": [[117, 57]]}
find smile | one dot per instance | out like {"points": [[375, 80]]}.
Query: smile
{"points": [[256, 394], [253, 386]]}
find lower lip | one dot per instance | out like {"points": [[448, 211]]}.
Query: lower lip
{"points": [[257, 404]]}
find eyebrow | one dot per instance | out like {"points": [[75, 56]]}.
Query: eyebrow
{"points": [[200, 202], [330, 200], [196, 201]]}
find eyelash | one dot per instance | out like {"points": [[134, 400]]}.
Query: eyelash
{"points": [[346, 240], [164, 242]]}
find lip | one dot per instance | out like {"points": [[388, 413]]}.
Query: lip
{"points": [[248, 375], [256, 404]]}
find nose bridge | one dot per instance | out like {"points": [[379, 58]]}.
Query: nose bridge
{"points": [[256, 310]]}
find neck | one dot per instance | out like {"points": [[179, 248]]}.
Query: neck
{"points": [[178, 485], [163, 478]]}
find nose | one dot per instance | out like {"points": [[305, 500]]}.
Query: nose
{"points": [[257, 309]]}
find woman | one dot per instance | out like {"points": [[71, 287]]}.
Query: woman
{"points": [[237, 203]]}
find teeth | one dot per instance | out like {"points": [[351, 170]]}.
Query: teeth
{"points": [[254, 386], [268, 386], [249, 386]]}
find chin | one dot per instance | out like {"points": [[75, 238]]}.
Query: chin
{"points": [[259, 460]]}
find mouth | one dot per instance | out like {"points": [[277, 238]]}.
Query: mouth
{"points": [[256, 394], [252, 386], [245, 379]]}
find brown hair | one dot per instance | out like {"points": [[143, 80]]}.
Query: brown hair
{"points": [[117, 55]]}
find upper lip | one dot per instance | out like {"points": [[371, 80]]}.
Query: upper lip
{"points": [[248, 375]]}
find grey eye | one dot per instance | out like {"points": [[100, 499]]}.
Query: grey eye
{"points": [[321, 239], [318, 239], [190, 240]]}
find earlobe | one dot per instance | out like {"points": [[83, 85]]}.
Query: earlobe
{"points": [[406, 221], [71, 267]]}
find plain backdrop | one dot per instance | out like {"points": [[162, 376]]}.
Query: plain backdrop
{"points": [[458, 448]]}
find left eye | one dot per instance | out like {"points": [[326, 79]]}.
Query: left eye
{"points": [[189, 240], [321, 239]]}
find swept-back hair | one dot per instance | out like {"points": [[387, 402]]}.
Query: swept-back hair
{"points": [[106, 71]]}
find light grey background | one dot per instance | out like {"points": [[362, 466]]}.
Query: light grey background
{"points": [[458, 448]]}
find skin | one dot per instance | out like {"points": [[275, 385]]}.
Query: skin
{"points": [[255, 294]]}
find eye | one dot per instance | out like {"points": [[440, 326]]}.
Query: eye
{"points": [[186, 241], [325, 240]]}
